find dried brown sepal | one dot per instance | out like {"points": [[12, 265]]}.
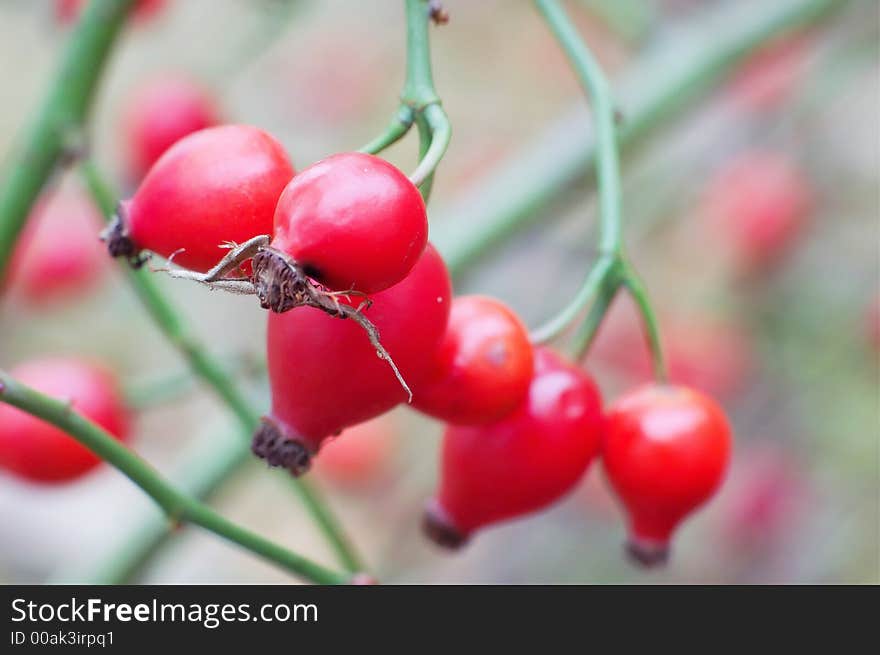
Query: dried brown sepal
{"points": [[647, 554], [119, 243], [279, 450], [439, 529]]}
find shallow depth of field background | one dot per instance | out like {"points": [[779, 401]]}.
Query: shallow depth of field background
{"points": [[801, 501]]}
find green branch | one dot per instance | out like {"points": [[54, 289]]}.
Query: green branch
{"points": [[214, 374], [58, 127], [419, 102], [177, 506], [676, 72], [611, 270]]}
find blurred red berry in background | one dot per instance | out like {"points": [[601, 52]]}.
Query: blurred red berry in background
{"points": [[765, 499], [360, 455], [67, 11], [703, 352], [59, 254], [767, 79], [759, 203], [160, 113], [35, 450]]}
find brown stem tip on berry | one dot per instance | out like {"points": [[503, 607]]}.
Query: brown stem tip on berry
{"points": [[438, 13], [271, 444], [647, 554], [439, 529], [119, 244]]}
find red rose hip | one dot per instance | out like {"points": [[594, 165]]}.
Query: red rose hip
{"points": [[161, 113], [665, 453], [32, 449], [483, 367], [213, 187], [325, 375], [59, 254], [523, 462], [352, 222]]}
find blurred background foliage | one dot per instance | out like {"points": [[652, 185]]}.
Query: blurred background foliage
{"points": [[790, 350]]}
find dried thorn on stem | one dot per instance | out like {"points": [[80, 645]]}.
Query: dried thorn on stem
{"points": [[438, 13]]}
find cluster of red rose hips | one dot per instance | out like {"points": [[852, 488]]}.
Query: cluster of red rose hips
{"points": [[349, 241]]}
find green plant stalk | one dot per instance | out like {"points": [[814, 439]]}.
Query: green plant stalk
{"points": [[58, 128], [611, 269], [178, 506], [678, 70], [212, 372], [419, 102]]}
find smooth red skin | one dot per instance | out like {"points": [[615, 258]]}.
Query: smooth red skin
{"points": [[211, 187], [35, 450], [527, 460], [358, 456], [665, 453], [59, 254], [325, 375], [483, 368], [353, 221], [761, 203], [67, 11], [161, 113]]}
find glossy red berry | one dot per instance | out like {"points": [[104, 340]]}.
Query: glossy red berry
{"points": [[760, 202], [35, 450], [67, 11], [59, 254], [161, 113], [665, 452], [360, 455], [326, 376], [483, 367], [352, 222], [213, 187], [523, 462]]}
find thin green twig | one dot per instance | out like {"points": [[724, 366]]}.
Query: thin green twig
{"points": [[212, 372], [58, 128], [178, 506]]}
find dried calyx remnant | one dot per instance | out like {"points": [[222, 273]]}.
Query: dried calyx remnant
{"points": [[281, 285], [438, 13]]}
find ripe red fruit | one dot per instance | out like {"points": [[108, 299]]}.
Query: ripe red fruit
{"points": [[325, 375], [358, 456], [33, 449], [483, 367], [760, 202], [212, 187], [67, 11], [59, 254], [161, 113], [352, 222], [521, 463], [665, 452]]}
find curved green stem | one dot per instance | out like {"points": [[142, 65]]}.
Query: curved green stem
{"points": [[177, 506], [440, 134], [588, 329], [212, 372], [637, 290], [611, 267], [395, 131], [58, 128]]}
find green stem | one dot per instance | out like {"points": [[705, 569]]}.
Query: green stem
{"points": [[58, 127], [213, 373], [588, 329], [590, 75], [177, 506], [395, 131], [670, 77], [637, 290]]}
